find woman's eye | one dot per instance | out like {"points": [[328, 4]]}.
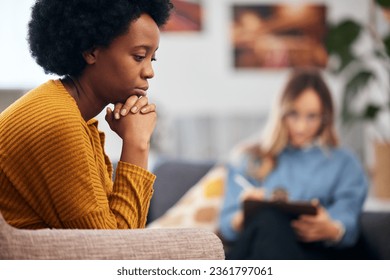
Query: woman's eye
{"points": [[292, 114], [139, 58], [313, 117]]}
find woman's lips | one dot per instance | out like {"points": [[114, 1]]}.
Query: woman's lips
{"points": [[139, 92]]}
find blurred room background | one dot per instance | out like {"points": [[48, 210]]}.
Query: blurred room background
{"points": [[222, 63]]}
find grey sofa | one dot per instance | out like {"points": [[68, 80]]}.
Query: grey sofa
{"points": [[175, 177], [137, 244]]}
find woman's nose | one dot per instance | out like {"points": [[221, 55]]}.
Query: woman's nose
{"points": [[148, 72], [300, 124]]}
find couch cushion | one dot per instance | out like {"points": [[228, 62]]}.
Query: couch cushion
{"points": [[174, 179]]}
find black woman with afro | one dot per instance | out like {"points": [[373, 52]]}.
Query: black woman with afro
{"points": [[54, 172]]}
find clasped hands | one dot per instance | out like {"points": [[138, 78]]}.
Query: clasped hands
{"points": [[134, 120], [308, 228]]}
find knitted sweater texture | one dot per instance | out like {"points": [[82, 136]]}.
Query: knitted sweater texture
{"points": [[54, 172]]}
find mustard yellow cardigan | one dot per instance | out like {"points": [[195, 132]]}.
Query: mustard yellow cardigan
{"points": [[54, 172]]}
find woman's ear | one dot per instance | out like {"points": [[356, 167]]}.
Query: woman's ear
{"points": [[90, 55]]}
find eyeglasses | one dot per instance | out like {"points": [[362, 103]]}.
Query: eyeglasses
{"points": [[310, 119]]}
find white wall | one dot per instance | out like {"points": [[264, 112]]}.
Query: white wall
{"points": [[194, 73], [17, 69]]}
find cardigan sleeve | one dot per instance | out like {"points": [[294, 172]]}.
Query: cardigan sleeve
{"points": [[78, 187], [131, 182]]}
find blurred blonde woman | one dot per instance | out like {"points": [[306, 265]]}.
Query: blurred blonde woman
{"points": [[299, 153]]}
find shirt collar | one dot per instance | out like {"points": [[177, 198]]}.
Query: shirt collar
{"points": [[307, 147]]}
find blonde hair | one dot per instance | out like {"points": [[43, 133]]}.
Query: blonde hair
{"points": [[275, 136]]}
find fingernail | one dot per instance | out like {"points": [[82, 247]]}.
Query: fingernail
{"points": [[123, 112], [143, 110], [134, 109], [117, 116]]}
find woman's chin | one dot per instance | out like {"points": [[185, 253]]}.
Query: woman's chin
{"points": [[300, 143]]}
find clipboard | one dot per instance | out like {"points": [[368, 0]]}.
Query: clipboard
{"points": [[293, 208]]}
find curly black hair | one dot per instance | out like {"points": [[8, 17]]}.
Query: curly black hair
{"points": [[60, 31]]}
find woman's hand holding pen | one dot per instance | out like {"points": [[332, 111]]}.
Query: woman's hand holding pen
{"points": [[250, 193]]}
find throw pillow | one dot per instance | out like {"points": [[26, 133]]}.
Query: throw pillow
{"points": [[200, 205]]}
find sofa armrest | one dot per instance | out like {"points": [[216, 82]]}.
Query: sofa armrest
{"points": [[141, 244]]}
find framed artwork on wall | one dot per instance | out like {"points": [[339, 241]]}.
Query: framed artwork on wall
{"points": [[186, 16], [278, 36]]}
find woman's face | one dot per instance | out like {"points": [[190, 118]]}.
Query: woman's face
{"points": [[304, 119], [123, 68]]}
